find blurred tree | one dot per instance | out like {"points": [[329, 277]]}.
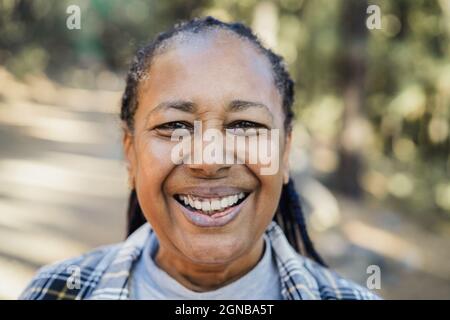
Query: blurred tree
{"points": [[376, 103], [351, 71]]}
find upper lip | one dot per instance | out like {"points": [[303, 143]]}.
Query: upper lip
{"points": [[211, 191]]}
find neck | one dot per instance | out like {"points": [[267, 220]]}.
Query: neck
{"points": [[206, 277]]}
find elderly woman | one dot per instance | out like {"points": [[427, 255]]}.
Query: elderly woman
{"points": [[204, 229]]}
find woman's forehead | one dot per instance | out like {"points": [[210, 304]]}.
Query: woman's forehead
{"points": [[212, 67], [219, 40]]}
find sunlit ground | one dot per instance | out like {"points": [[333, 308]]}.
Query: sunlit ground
{"points": [[63, 191]]}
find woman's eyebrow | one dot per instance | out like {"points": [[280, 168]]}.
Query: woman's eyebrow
{"points": [[190, 107], [184, 106], [241, 105]]}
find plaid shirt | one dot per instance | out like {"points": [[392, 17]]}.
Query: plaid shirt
{"points": [[105, 273]]}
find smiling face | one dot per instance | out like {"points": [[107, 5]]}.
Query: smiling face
{"points": [[206, 213]]}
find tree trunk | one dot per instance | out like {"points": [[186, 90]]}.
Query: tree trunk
{"points": [[351, 78]]}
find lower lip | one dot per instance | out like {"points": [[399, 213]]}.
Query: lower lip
{"points": [[216, 220]]}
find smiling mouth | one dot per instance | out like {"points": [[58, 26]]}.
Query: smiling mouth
{"points": [[211, 206]]}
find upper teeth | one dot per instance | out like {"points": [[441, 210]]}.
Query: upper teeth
{"points": [[215, 204]]}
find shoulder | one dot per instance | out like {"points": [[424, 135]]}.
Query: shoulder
{"points": [[305, 278], [69, 279], [332, 286]]}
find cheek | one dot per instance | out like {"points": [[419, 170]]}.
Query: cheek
{"points": [[269, 167], [271, 183], [153, 166], [269, 194]]}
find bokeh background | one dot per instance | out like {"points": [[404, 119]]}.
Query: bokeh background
{"points": [[371, 153]]}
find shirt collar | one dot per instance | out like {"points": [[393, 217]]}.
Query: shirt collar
{"points": [[296, 281]]}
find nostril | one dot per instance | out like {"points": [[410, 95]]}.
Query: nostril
{"points": [[212, 171]]}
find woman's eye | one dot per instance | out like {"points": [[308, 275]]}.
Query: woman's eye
{"points": [[174, 125], [245, 128], [244, 124]]}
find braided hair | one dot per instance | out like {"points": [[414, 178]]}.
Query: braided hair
{"points": [[289, 214]]}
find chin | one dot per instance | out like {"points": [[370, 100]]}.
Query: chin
{"points": [[216, 251]]}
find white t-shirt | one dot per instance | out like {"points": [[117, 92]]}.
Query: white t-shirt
{"points": [[149, 282]]}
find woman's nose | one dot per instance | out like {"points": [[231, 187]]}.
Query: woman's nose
{"points": [[208, 170]]}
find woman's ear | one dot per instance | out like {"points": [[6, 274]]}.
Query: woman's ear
{"points": [[130, 155], [286, 153]]}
